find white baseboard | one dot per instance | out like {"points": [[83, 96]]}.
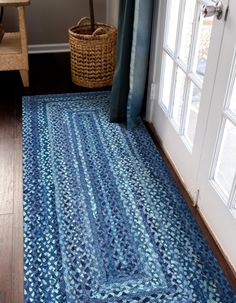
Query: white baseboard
{"points": [[49, 48]]}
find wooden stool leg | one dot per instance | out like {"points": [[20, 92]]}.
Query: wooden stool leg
{"points": [[25, 77], [24, 47]]}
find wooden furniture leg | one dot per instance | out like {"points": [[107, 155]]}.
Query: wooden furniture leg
{"points": [[24, 47], [25, 77]]}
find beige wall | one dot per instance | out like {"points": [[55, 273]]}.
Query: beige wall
{"points": [[112, 12], [48, 20]]}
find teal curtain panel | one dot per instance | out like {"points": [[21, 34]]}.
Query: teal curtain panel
{"points": [[133, 45]]}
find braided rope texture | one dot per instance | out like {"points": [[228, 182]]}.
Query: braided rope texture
{"points": [[103, 219]]}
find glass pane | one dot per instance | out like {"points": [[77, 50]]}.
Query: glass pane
{"points": [[178, 96], [167, 72], [171, 23], [187, 30], [203, 43], [234, 204], [191, 121], [232, 105], [226, 162]]}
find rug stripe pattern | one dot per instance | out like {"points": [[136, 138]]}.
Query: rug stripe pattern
{"points": [[103, 219]]}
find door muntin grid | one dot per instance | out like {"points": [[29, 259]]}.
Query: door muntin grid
{"points": [[191, 34], [223, 169]]}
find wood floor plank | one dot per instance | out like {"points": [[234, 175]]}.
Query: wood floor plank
{"points": [[17, 244], [5, 258], [6, 163]]}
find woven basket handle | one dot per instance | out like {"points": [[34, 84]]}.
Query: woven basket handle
{"points": [[99, 31], [82, 20]]}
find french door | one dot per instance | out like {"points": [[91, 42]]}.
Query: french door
{"points": [[217, 173], [188, 63], [192, 105]]}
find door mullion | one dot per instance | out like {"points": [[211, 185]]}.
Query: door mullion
{"points": [[217, 149], [192, 51], [184, 111], [195, 38], [179, 28], [169, 52], [167, 18], [195, 80], [176, 52], [230, 116], [163, 59], [172, 93], [232, 196]]}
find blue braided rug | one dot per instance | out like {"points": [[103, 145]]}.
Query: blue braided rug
{"points": [[103, 219]]}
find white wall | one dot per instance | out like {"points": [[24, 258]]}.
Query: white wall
{"points": [[48, 20]]}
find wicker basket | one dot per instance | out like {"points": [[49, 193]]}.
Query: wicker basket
{"points": [[92, 55]]}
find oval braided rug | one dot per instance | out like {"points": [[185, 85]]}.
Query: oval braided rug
{"points": [[103, 219]]}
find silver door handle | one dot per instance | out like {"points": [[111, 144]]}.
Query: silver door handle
{"points": [[213, 10]]}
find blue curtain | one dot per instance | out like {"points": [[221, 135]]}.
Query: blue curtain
{"points": [[133, 44]]}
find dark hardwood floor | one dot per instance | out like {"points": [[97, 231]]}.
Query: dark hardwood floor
{"points": [[49, 73]]}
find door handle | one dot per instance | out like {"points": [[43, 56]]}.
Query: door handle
{"points": [[209, 10]]}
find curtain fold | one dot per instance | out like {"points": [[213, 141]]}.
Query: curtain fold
{"points": [[133, 44], [120, 85]]}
